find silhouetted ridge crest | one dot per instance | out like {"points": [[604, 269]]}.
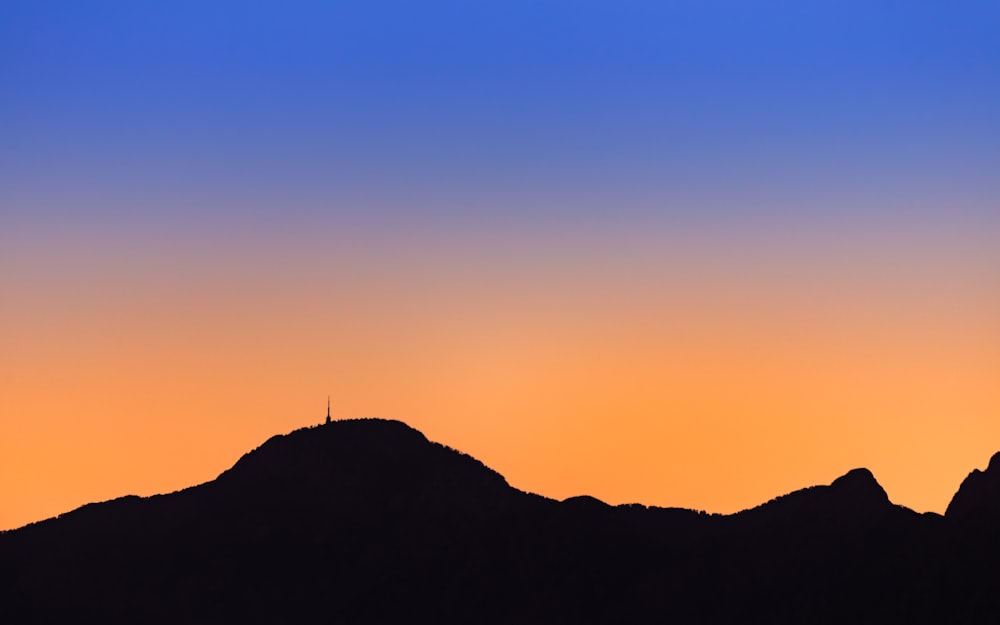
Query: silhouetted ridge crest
{"points": [[852, 499], [366, 521], [585, 502], [979, 494], [353, 463], [861, 487], [336, 442]]}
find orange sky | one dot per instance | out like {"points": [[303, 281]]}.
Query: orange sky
{"points": [[710, 372]]}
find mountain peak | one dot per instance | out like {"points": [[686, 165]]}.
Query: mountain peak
{"points": [[979, 492], [366, 466], [859, 489], [994, 464], [855, 497], [857, 476], [860, 481]]}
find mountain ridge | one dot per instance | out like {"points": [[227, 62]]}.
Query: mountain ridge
{"points": [[372, 516], [860, 475]]}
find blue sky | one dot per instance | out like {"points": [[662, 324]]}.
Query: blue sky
{"points": [[550, 102]]}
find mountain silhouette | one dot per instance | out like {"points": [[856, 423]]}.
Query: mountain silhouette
{"points": [[979, 494], [366, 521]]}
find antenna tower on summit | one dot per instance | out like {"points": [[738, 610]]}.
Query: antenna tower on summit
{"points": [[328, 409]]}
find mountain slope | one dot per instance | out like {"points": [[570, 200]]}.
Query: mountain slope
{"points": [[979, 493], [369, 522]]}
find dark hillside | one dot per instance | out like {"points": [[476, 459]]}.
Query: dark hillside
{"points": [[368, 522]]}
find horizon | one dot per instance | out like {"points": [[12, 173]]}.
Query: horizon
{"points": [[684, 254], [324, 423], [327, 421]]}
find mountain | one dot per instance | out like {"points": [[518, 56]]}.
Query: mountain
{"points": [[366, 521], [979, 494]]}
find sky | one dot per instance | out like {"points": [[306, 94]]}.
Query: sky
{"points": [[692, 253]]}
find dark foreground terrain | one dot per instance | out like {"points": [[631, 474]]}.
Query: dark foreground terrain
{"points": [[368, 522]]}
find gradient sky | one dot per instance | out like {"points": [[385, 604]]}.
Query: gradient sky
{"points": [[692, 254]]}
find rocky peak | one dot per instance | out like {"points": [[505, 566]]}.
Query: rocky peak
{"points": [[979, 493]]}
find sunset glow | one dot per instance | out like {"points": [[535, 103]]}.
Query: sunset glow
{"points": [[701, 300]]}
